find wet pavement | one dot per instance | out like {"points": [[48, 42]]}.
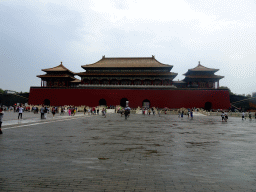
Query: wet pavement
{"points": [[143, 153]]}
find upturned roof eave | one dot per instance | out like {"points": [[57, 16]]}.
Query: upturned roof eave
{"points": [[53, 69], [214, 77], [52, 76]]}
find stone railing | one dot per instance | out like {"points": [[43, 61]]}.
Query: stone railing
{"points": [[230, 114]]}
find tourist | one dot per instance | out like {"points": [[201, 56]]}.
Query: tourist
{"points": [[191, 114], [20, 112], [226, 116], [255, 115], [159, 113], [126, 113], [42, 112], [61, 111], [98, 111], [243, 116], [69, 111], [149, 111], [53, 111], [122, 112], [45, 112], [222, 116], [1, 119], [84, 110], [182, 113], [178, 113], [250, 115], [104, 111]]}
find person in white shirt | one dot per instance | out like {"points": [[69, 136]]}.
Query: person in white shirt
{"points": [[243, 116], [20, 112]]}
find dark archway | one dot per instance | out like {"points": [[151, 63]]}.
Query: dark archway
{"points": [[123, 102], [146, 103], [47, 102], [208, 106], [102, 102]]}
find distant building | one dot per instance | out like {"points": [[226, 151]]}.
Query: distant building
{"points": [[139, 80], [254, 94]]}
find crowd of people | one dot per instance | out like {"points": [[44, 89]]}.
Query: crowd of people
{"points": [[72, 110]]}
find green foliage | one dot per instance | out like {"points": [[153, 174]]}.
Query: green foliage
{"points": [[230, 92], [1, 90]]}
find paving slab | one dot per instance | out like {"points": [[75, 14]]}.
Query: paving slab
{"points": [[143, 153]]}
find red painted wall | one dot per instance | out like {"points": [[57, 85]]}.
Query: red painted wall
{"points": [[158, 98]]}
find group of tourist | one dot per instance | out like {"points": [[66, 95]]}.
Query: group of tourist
{"points": [[188, 113], [92, 111], [148, 111], [249, 115]]}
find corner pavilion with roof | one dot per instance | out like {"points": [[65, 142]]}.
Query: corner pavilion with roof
{"points": [[113, 81]]}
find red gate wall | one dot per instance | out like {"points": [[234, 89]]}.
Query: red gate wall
{"points": [[158, 98]]}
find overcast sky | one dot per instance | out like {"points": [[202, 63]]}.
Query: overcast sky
{"points": [[38, 34]]}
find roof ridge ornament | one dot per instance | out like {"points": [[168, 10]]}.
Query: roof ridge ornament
{"points": [[199, 63], [61, 63], [153, 56], [103, 56]]}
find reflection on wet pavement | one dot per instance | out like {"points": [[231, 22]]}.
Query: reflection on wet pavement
{"points": [[142, 153]]}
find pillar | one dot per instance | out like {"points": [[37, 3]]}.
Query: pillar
{"points": [[218, 84], [41, 82]]}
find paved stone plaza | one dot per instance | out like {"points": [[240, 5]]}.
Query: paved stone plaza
{"points": [[143, 153]]}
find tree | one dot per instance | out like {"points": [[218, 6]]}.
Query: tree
{"points": [[230, 92], [1, 90]]}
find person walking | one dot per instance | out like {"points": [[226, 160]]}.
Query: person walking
{"points": [[45, 112], [53, 111], [191, 114], [84, 110], [1, 119], [62, 111], [69, 111], [20, 112], [243, 116], [225, 116], [42, 112], [222, 116], [126, 113], [250, 115], [182, 113]]}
